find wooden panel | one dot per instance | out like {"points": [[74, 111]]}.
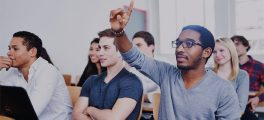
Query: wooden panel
{"points": [[67, 78], [156, 103], [75, 93]]}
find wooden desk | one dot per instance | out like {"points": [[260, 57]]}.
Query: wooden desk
{"points": [[147, 107], [5, 118]]}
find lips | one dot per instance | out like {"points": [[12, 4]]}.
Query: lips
{"points": [[219, 59], [102, 60], [181, 58]]}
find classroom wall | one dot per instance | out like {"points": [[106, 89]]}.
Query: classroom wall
{"points": [[66, 27]]}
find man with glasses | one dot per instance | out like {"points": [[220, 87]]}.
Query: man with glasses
{"points": [[188, 91]]}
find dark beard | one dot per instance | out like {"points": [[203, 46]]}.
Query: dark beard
{"points": [[196, 62]]}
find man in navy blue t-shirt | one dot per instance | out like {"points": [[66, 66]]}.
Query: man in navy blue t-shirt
{"points": [[114, 94]]}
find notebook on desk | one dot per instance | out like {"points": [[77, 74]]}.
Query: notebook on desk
{"points": [[15, 103]]}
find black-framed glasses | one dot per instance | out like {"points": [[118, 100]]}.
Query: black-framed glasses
{"points": [[185, 44]]}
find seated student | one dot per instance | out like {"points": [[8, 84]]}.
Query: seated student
{"points": [[226, 66], [146, 44], [93, 67], [44, 84], [115, 94], [254, 68], [188, 91]]}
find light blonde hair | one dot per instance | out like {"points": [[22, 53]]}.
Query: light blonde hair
{"points": [[229, 44]]}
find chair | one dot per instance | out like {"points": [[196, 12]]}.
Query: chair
{"points": [[75, 93], [141, 109], [156, 103], [67, 78]]}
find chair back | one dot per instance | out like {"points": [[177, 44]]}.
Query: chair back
{"points": [[156, 103], [141, 109], [75, 93], [67, 78]]}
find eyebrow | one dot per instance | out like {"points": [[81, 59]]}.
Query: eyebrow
{"points": [[12, 46], [105, 46]]}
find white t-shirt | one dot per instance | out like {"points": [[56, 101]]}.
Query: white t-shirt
{"points": [[149, 87]]}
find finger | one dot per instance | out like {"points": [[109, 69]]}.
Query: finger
{"points": [[4, 66], [113, 13], [130, 8], [119, 18]]}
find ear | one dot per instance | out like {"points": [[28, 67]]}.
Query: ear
{"points": [[207, 52], [152, 47], [33, 52]]}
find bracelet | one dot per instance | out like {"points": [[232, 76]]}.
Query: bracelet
{"points": [[118, 33]]}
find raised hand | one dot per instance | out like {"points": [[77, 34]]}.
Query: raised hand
{"points": [[119, 17], [5, 62]]}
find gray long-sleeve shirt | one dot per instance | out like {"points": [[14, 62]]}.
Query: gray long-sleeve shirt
{"points": [[241, 85], [211, 99]]}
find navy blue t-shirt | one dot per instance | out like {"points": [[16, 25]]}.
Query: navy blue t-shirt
{"points": [[104, 95]]}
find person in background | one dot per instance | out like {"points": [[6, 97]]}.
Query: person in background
{"points": [[93, 67], [44, 84], [146, 44], [254, 68], [226, 66], [188, 91], [115, 94]]}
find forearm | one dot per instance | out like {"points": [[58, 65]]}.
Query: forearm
{"points": [[105, 114], [123, 44], [80, 117]]}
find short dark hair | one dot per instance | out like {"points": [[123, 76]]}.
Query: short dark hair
{"points": [[206, 37], [106, 33], [242, 39], [30, 41], [148, 38]]}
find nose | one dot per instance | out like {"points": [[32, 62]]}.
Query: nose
{"points": [[101, 52], [92, 52], [179, 48], [217, 54], [9, 53]]}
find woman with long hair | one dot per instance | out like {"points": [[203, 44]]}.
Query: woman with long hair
{"points": [[93, 67], [226, 65]]}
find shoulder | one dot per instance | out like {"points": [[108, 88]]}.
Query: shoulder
{"points": [[215, 79], [129, 78], [256, 62], [43, 66], [242, 73], [91, 80]]}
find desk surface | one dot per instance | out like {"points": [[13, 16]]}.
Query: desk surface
{"points": [[5, 118], [147, 107]]}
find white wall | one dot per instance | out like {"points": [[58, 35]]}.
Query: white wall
{"points": [[65, 26]]}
